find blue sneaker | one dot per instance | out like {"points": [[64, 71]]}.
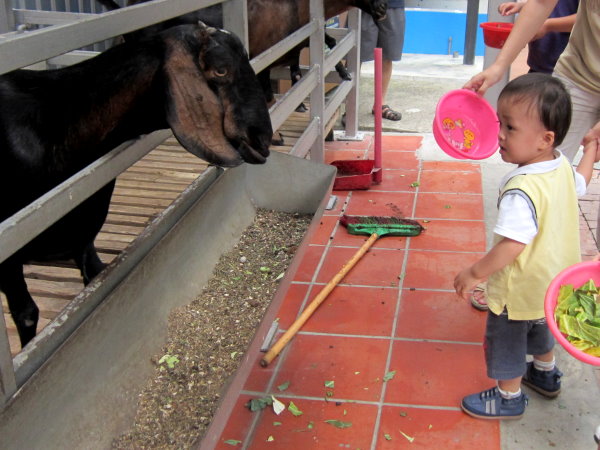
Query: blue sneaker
{"points": [[490, 405], [545, 382]]}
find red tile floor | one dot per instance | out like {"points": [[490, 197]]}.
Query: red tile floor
{"points": [[392, 350]]}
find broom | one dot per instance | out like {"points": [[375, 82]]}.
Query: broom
{"points": [[373, 226]]}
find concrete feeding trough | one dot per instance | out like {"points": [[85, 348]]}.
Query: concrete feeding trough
{"points": [[86, 391]]}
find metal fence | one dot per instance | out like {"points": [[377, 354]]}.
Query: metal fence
{"points": [[45, 33]]}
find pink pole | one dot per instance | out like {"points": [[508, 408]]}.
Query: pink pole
{"points": [[377, 107]]}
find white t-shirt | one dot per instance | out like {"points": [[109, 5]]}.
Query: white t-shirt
{"points": [[516, 217]]}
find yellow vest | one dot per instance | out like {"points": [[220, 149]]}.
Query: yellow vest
{"points": [[521, 286]]}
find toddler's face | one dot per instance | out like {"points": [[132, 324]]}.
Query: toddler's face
{"points": [[523, 138]]}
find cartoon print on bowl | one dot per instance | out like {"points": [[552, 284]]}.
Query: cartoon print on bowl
{"points": [[465, 139]]}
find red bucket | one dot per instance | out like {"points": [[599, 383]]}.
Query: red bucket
{"points": [[495, 33]]}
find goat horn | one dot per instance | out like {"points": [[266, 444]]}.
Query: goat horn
{"points": [[209, 30]]}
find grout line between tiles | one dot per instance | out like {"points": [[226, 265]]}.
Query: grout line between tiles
{"points": [[353, 401], [377, 424], [392, 338], [356, 402], [424, 250]]}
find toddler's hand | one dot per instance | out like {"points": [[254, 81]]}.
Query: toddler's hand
{"points": [[510, 8], [464, 283]]}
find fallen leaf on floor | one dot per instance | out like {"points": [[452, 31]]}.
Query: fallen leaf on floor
{"points": [[294, 409], [339, 423], [409, 438]]}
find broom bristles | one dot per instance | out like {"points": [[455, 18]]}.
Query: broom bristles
{"points": [[376, 220]]}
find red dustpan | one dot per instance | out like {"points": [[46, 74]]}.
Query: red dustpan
{"points": [[355, 174]]}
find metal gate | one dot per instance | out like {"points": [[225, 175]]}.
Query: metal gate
{"points": [[48, 33]]}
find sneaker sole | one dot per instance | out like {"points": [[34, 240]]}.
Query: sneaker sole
{"points": [[479, 416], [539, 390]]}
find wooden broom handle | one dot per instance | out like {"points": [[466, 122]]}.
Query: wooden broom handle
{"points": [[293, 329]]}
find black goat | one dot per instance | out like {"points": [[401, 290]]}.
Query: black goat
{"points": [[194, 79], [269, 21]]}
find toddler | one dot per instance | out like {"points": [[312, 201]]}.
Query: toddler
{"points": [[536, 236]]}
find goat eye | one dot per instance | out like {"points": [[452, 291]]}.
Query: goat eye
{"points": [[220, 72]]}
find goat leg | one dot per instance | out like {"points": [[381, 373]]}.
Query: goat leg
{"points": [[295, 76], [264, 79], [89, 263], [22, 308], [340, 68]]}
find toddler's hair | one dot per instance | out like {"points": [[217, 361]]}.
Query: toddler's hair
{"points": [[548, 96]]}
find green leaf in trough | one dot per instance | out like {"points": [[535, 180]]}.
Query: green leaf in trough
{"points": [[330, 384], [170, 360], [233, 442]]}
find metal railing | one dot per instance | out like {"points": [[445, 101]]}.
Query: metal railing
{"points": [[57, 43]]}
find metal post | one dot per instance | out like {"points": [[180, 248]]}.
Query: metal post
{"points": [[7, 20], [235, 19], [8, 384], [491, 54], [317, 95], [353, 62], [471, 32]]}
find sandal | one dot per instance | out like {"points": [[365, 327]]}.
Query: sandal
{"points": [[480, 288], [388, 113]]}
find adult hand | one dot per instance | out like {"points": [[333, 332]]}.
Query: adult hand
{"points": [[593, 145], [591, 141], [481, 82]]}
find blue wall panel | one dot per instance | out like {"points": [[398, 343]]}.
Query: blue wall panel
{"points": [[427, 32]]}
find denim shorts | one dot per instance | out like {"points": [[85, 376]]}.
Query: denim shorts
{"points": [[508, 342], [387, 34]]}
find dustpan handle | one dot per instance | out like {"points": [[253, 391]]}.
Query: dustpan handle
{"points": [[293, 329]]}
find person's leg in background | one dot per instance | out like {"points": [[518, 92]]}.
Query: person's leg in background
{"points": [[586, 113], [387, 34]]}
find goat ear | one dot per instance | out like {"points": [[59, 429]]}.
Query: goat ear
{"points": [[194, 112]]}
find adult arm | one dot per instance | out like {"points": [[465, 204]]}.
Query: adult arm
{"points": [[556, 24], [591, 153], [531, 19]]}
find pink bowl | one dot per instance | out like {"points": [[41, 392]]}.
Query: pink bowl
{"points": [[465, 125], [577, 275]]}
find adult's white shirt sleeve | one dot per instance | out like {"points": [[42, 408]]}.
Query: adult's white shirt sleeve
{"points": [[516, 219]]}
